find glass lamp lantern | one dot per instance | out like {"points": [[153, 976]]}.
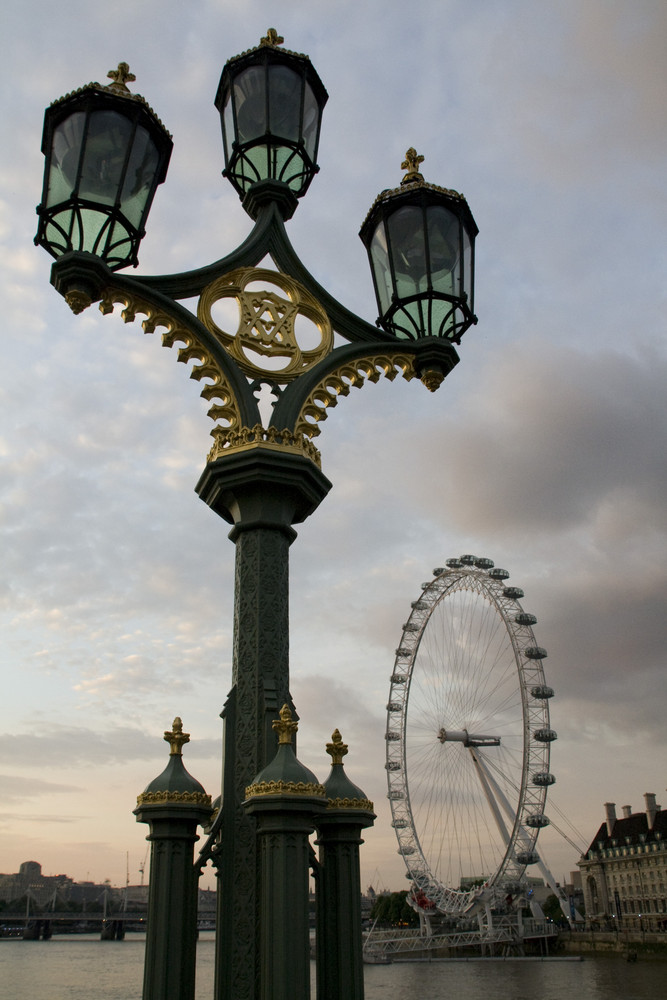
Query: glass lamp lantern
{"points": [[270, 102], [420, 241], [106, 152]]}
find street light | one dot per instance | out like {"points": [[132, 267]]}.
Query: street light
{"points": [[260, 477], [106, 152], [270, 103]]}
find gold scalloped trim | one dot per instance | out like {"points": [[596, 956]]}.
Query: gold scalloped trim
{"points": [[285, 788], [171, 798], [217, 391], [365, 804], [351, 374]]}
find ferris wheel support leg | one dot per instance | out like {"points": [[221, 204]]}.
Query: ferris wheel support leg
{"points": [[486, 782]]}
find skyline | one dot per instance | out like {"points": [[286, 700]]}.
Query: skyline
{"points": [[544, 449]]}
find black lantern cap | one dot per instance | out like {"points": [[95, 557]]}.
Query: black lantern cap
{"points": [[420, 241], [106, 152], [270, 102]]}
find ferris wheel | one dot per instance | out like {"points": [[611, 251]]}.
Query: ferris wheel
{"points": [[468, 739]]}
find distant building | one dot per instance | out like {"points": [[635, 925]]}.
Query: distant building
{"points": [[30, 881], [624, 871]]}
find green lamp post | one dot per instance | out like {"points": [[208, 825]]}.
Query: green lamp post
{"points": [[173, 805], [286, 801], [339, 938], [262, 478]]}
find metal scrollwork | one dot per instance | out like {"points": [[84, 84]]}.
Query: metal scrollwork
{"points": [[267, 323]]}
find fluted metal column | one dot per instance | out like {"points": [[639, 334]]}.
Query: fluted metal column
{"points": [[262, 492]]}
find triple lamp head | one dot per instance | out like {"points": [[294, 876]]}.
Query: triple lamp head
{"points": [[106, 152]]}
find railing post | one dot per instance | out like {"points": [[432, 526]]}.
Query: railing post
{"points": [[173, 805]]}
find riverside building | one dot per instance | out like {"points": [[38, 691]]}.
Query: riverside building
{"points": [[624, 871]]}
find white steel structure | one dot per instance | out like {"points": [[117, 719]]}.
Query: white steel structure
{"points": [[468, 740]]}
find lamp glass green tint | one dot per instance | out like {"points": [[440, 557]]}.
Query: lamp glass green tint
{"points": [[420, 241], [270, 103], [105, 154]]}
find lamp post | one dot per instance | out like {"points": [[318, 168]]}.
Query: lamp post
{"points": [[106, 152]]}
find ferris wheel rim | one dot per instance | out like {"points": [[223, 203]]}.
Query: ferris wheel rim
{"points": [[489, 583]]}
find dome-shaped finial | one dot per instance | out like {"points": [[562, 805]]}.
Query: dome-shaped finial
{"points": [[175, 737]]}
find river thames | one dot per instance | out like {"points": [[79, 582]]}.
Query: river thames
{"points": [[81, 967]]}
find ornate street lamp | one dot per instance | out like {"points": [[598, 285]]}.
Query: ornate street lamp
{"points": [[262, 477], [270, 103], [421, 245], [106, 152]]}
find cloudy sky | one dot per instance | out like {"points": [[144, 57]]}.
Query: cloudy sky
{"points": [[544, 450]]}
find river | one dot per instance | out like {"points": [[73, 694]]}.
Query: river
{"points": [[81, 967]]}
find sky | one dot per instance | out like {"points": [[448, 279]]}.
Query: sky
{"points": [[544, 450]]}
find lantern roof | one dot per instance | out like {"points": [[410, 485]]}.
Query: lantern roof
{"points": [[272, 40], [117, 88], [414, 182]]}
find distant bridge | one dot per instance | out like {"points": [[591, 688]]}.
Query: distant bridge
{"points": [[40, 926]]}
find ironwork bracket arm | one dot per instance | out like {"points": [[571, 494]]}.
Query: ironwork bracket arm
{"points": [[82, 279]]}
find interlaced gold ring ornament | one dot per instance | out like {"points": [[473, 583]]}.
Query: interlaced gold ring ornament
{"points": [[266, 327]]}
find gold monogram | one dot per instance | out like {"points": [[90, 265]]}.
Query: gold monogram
{"points": [[267, 323]]}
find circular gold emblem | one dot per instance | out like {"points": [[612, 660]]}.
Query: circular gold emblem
{"points": [[276, 335]]}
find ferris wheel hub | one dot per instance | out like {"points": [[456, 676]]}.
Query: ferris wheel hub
{"points": [[468, 739]]}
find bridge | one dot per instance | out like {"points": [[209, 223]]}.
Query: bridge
{"points": [[505, 937], [41, 926]]}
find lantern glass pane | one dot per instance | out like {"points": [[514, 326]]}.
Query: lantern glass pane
{"points": [[65, 155], [228, 126], [467, 267], [284, 103], [408, 250], [250, 101], [107, 143], [381, 268], [139, 177], [444, 249], [311, 118]]}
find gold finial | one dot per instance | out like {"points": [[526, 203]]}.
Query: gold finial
{"points": [[411, 164], [77, 300], [432, 378], [337, 749], [284, 726], [272, 38], [121, 77], [176, 738]]}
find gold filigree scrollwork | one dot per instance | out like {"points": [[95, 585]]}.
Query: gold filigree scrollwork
{"points": [[169, 798], [268, 437], [224, 408], [326, 393], [365, 804], [266, 342], [285, 788]]}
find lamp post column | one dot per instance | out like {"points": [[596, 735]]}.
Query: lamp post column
{"points": [[262, 492]]}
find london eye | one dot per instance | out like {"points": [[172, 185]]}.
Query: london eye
{"points": [[468, 740]]}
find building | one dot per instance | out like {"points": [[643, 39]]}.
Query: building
{"points": [[30, 881], [624, 871]]}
